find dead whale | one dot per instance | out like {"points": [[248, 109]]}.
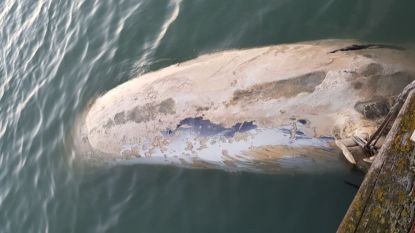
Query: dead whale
{"points": [[271, 108]]}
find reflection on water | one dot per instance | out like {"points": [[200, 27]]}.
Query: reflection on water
{"points": [[55, 56]]}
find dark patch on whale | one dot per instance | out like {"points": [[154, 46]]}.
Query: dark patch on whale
{"points": [[366, 46], [390, 84], [207, 128], [119, 118], [149, 111], [281, 88], [373, 69], [374, 108], [109, 124], [142, 113], [357, 85]]}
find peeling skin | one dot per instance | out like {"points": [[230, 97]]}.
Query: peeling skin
{"points": [[266, 87]]}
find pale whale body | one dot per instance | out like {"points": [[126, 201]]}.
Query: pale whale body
{"points": [[272, 108]]}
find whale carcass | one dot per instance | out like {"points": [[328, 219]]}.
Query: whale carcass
{"points": [[271, 108]]}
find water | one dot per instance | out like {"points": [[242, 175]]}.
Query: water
{"points": [[57, 55]]}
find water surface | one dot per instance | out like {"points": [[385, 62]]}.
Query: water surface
{"points": [[55, 56]]}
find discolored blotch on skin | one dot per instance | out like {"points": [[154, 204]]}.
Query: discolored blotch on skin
{"points": [[143, 113], [390, 84], [204, 127], [374, 108], [119, 118], [303, 121], [372, 69], [149, 111], [357, 85], [282, 88], [202, 109], [167, 106], [109, 124]]}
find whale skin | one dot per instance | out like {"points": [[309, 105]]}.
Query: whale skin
{"points": [[274, 108]]}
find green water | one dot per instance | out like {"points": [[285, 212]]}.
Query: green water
{"points": [[55, 56]]}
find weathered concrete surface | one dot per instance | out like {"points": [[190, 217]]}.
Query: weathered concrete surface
{"points": [[385, 201], [280, 106]]}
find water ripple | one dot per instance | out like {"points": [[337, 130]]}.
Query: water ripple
{"points": [[57, 56], [151, 46]]}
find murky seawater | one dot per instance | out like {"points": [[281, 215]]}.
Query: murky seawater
{"points": [[55, 56]]}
